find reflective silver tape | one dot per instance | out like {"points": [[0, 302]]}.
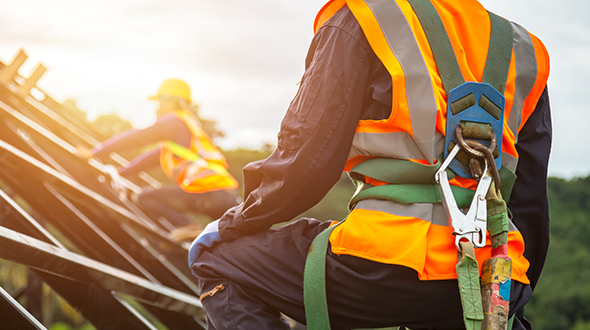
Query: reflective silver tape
{"points": [[433, 213], [526, 74], [419, 90]]}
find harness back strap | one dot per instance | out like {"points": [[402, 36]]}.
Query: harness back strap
{"points": [[495, 73]]}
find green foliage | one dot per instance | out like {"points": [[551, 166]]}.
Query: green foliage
{"points": [[335, 205], [65, 326], [238, 158], [110, 125], [562, 297]]}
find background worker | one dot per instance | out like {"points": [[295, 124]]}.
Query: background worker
{"points": [[186, 154], [388, 263]]}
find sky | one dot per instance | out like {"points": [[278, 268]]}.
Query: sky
{"points": [[244, 59]]}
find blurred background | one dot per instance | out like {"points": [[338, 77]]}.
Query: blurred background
{"points": [[243, 61]]}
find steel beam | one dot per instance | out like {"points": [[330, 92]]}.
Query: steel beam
{"points": [[13, 316], [23, 159], [104, 309], [39, 255]]}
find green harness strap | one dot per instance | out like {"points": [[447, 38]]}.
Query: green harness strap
{"points": [[422, 190], [495, 73], [314, 282]]}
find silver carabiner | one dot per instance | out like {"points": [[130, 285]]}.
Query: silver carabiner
{"points": [[473, 224]]}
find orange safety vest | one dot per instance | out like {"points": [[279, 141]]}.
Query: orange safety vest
{"points": [[417, 235], [199, 168]]}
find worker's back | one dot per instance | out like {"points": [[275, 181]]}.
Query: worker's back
{"points": [[392, 261]]}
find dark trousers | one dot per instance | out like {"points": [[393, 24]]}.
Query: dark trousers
{"points": [[262, 276], [171, 202]]}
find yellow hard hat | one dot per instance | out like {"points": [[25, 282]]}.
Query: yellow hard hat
{"points": [[173, 87]]}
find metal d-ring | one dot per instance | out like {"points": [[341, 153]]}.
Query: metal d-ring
{"points": [[468, 149]]}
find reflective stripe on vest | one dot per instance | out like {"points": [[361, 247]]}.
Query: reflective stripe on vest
{"points": [[417, 234], [199, 168], [434, 214], [407, 66]]}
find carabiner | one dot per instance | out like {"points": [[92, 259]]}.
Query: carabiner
{"points": [[473, 224]]}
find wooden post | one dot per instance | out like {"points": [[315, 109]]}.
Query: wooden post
{"points": [[11, 70]]}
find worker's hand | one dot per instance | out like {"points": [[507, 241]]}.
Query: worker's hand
{"points": [[84, 152], [116, 180], [208, 237]]}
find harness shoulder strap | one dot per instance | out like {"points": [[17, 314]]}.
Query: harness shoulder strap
{"points": [[499, 51]]}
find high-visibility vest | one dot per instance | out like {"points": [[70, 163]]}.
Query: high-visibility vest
{"points": [[199, 168], [417, 235]]}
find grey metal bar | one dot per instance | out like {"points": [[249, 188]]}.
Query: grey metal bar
{"points": [[13, 316], [175, 321], [127, 216], [98, 237], [36, 254], [99, 306], [100, 233], [42, 233]]}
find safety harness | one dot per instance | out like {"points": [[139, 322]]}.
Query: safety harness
{"points": [[473, 140]]}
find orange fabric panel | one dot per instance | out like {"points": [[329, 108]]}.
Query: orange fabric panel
{"points": [[442, 255], [509, 142], [429, 249], [209, 182], [327, 11], [399, 119], [382, 237]]}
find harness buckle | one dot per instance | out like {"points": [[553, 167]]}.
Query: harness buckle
{"points": [[471, 225], [477, 103]]}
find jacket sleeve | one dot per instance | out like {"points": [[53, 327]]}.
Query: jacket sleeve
{"points": [[166, 128], [314, 140], [147, 160], [529, 202]]}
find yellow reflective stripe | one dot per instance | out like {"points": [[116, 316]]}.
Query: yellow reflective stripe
{"points": [[181, 152]]}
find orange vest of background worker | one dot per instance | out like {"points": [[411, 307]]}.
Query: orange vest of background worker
{"points": [[372, 89], [186, 154]]}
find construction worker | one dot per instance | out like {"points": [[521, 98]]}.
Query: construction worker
{"points": [[186, 154], [373, 90]]}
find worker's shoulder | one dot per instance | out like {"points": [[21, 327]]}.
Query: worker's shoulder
{"points": [[345, 21], [173, 121]]}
